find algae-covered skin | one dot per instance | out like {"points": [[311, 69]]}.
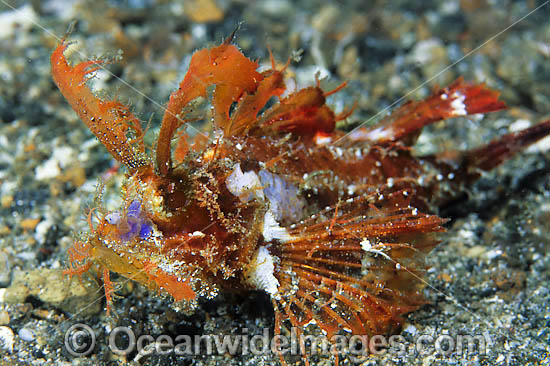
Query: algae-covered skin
{"points": [[490, 275]]}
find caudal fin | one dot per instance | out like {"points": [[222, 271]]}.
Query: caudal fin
{"points": [[494, 153]]}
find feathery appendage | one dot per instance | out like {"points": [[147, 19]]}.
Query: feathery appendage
{"points": [[110, 121]]}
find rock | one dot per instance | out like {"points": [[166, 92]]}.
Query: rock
{"points": [[4, 317], [47, 170], [50, 286], [62, 159], [26, 334], [431, 56], [29, 224], [203, 11], [275, 8], [5, 270], [349, 67], [7, 339], [325, 18], [17, 20]]}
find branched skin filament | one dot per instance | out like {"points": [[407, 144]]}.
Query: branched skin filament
{"points": [[334, 227]]}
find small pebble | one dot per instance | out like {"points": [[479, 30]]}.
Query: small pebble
{"points": [[4, 317], [411, 329], [7, 339], [5, 270], [26, 334], [29, 224]]}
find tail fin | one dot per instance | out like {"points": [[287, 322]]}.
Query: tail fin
{"points": [[494, 153], [460, 168]]}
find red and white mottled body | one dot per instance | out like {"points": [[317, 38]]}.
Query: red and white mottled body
{"points": [[332, 226]]}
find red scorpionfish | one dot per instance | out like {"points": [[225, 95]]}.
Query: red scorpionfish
{"points": [[333, 226]]}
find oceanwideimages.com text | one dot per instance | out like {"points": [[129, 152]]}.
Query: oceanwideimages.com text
{"points": [[81, 340]]}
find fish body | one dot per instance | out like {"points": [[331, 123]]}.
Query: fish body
{"points": [[333, 226]]}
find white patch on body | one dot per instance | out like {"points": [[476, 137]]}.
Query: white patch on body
{"points": [[113, 218], [260, 273], [322, 140], [382, 133], [197, 234], [272, 229], [367, 246], [246, 186], [284, 198], [457, 105]]}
